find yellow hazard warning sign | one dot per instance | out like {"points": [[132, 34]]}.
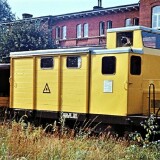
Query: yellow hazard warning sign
{"points": [[46, 89]]}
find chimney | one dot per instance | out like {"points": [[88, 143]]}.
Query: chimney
{"points": [[26, 15], [99, 5]]}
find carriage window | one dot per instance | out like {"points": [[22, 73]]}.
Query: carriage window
{"points": [[46, 62], [151, 40], [124, 39], [74, 62], [109, 65], [135, 66]]}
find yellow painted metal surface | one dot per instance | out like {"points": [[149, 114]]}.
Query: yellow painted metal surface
{"points": [[111, 40], [111, 103], [151, 75], [52, 89], [137, 39], [23, 83], [47, 86], [135, 90], [74, 84]]}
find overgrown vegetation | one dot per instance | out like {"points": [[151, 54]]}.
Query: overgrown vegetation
{"points": [[20, 143], [5, 12], [23, 36]]}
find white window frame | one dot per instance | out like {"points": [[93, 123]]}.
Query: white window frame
{"points": [[79, 31], [85, 30], [64, 32], [128, 22], [156, 17]]}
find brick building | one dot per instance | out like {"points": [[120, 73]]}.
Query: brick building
{"points": [[88, 28]]}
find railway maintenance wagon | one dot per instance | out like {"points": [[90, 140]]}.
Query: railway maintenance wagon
{"points": [[118, 84]]}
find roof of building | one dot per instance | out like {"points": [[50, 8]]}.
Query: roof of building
{"points": [[95, 12], [98, 11]]}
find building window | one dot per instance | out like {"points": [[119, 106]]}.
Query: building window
{"points": [[156, 17], [79, 30], [101, 28], [46, 62], [109, 65], [128, 22], [58, 30], [64, 32], [73, 62], [109, 24], [135, 66], [135, 21], [85, 30]]}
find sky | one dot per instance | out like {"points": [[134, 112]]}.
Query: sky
{"points": [[40, 8]]}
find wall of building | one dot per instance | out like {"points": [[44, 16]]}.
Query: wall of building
{"points": [[146, 11], [143, 12], [93, 39]]}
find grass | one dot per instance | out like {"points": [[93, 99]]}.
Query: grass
{"points": [[17, 143]]}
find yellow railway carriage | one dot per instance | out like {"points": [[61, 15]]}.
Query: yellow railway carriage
{"points": [[117, 85]]}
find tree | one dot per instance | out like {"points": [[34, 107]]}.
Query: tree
{"points": [[23, 36], [5, 12]]}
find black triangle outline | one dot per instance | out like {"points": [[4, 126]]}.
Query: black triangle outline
{"points": [[46, 89]]}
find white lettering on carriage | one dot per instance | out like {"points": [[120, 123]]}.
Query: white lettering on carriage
{"points": [[70, 115]]}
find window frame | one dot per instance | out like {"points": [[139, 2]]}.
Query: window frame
{"points": [[58, 32], [128, 22], [135, 21], [79, 30], [79, 62], [46, 68], [154, 43], [156, 15], [102, 28], [64, 32], [128, 35], [135, 73], [111, 71], [85, 30], [109, 24]]}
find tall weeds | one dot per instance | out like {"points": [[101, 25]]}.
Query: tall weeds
{"points": [[19, 143]]}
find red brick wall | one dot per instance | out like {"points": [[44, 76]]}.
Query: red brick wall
{"points": [[146, 11], [118, 20]]}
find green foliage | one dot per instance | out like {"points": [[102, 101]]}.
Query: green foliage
{"points": [[141, 153], [152, 128], [145, 148], [23, 36], [5, 12]]}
